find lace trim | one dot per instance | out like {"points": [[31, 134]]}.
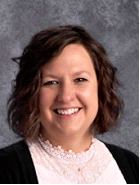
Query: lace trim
{"points": [[67, 156]]}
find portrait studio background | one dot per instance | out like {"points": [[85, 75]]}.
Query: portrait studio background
{"points": [[113, 23]]}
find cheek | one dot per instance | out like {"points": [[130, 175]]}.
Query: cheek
{"points": [[90, 99], [92, 103], [45, 98], [90, 95]]}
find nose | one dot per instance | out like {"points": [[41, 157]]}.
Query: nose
{"points": [[66, 93]]}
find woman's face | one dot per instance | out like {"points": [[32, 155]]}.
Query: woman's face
{"points": [[68, 98]]}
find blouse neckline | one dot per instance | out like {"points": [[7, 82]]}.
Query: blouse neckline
{"points": [[67, 156]]}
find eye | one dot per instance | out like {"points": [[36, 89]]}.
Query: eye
{"points": [[80, 80], [49, 83]]}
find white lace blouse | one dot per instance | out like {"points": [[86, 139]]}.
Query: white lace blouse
{"points": [[55, 166]]}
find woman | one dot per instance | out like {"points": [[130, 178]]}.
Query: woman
{"points": [[63, 96]]}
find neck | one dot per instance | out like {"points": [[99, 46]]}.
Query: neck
{"points": [[74, 143]]}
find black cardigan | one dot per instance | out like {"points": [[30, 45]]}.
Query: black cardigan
{"points": [[16, 165]]}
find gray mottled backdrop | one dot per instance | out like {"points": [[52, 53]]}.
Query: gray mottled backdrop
{"points": [[114, 23]]}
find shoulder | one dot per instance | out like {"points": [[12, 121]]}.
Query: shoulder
{"points": [[10, 150], [19, 144], [119, 151], [127, 161], [13, 150]]}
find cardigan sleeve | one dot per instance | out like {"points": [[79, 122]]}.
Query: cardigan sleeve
{"points": [[128, 163], [16, 166], [9, 172]]}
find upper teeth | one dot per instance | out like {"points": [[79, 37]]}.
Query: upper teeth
{"points": [[67, 111]]}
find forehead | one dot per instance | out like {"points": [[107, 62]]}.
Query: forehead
{"points": [[73, 51], [74, 57]]}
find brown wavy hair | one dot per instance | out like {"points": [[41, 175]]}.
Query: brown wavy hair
{"points": [[23, 111]]}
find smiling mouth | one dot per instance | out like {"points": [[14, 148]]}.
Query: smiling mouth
{"points": [[67, 111]]}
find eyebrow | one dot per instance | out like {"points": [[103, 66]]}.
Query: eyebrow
{"points": [[74, 74]]}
